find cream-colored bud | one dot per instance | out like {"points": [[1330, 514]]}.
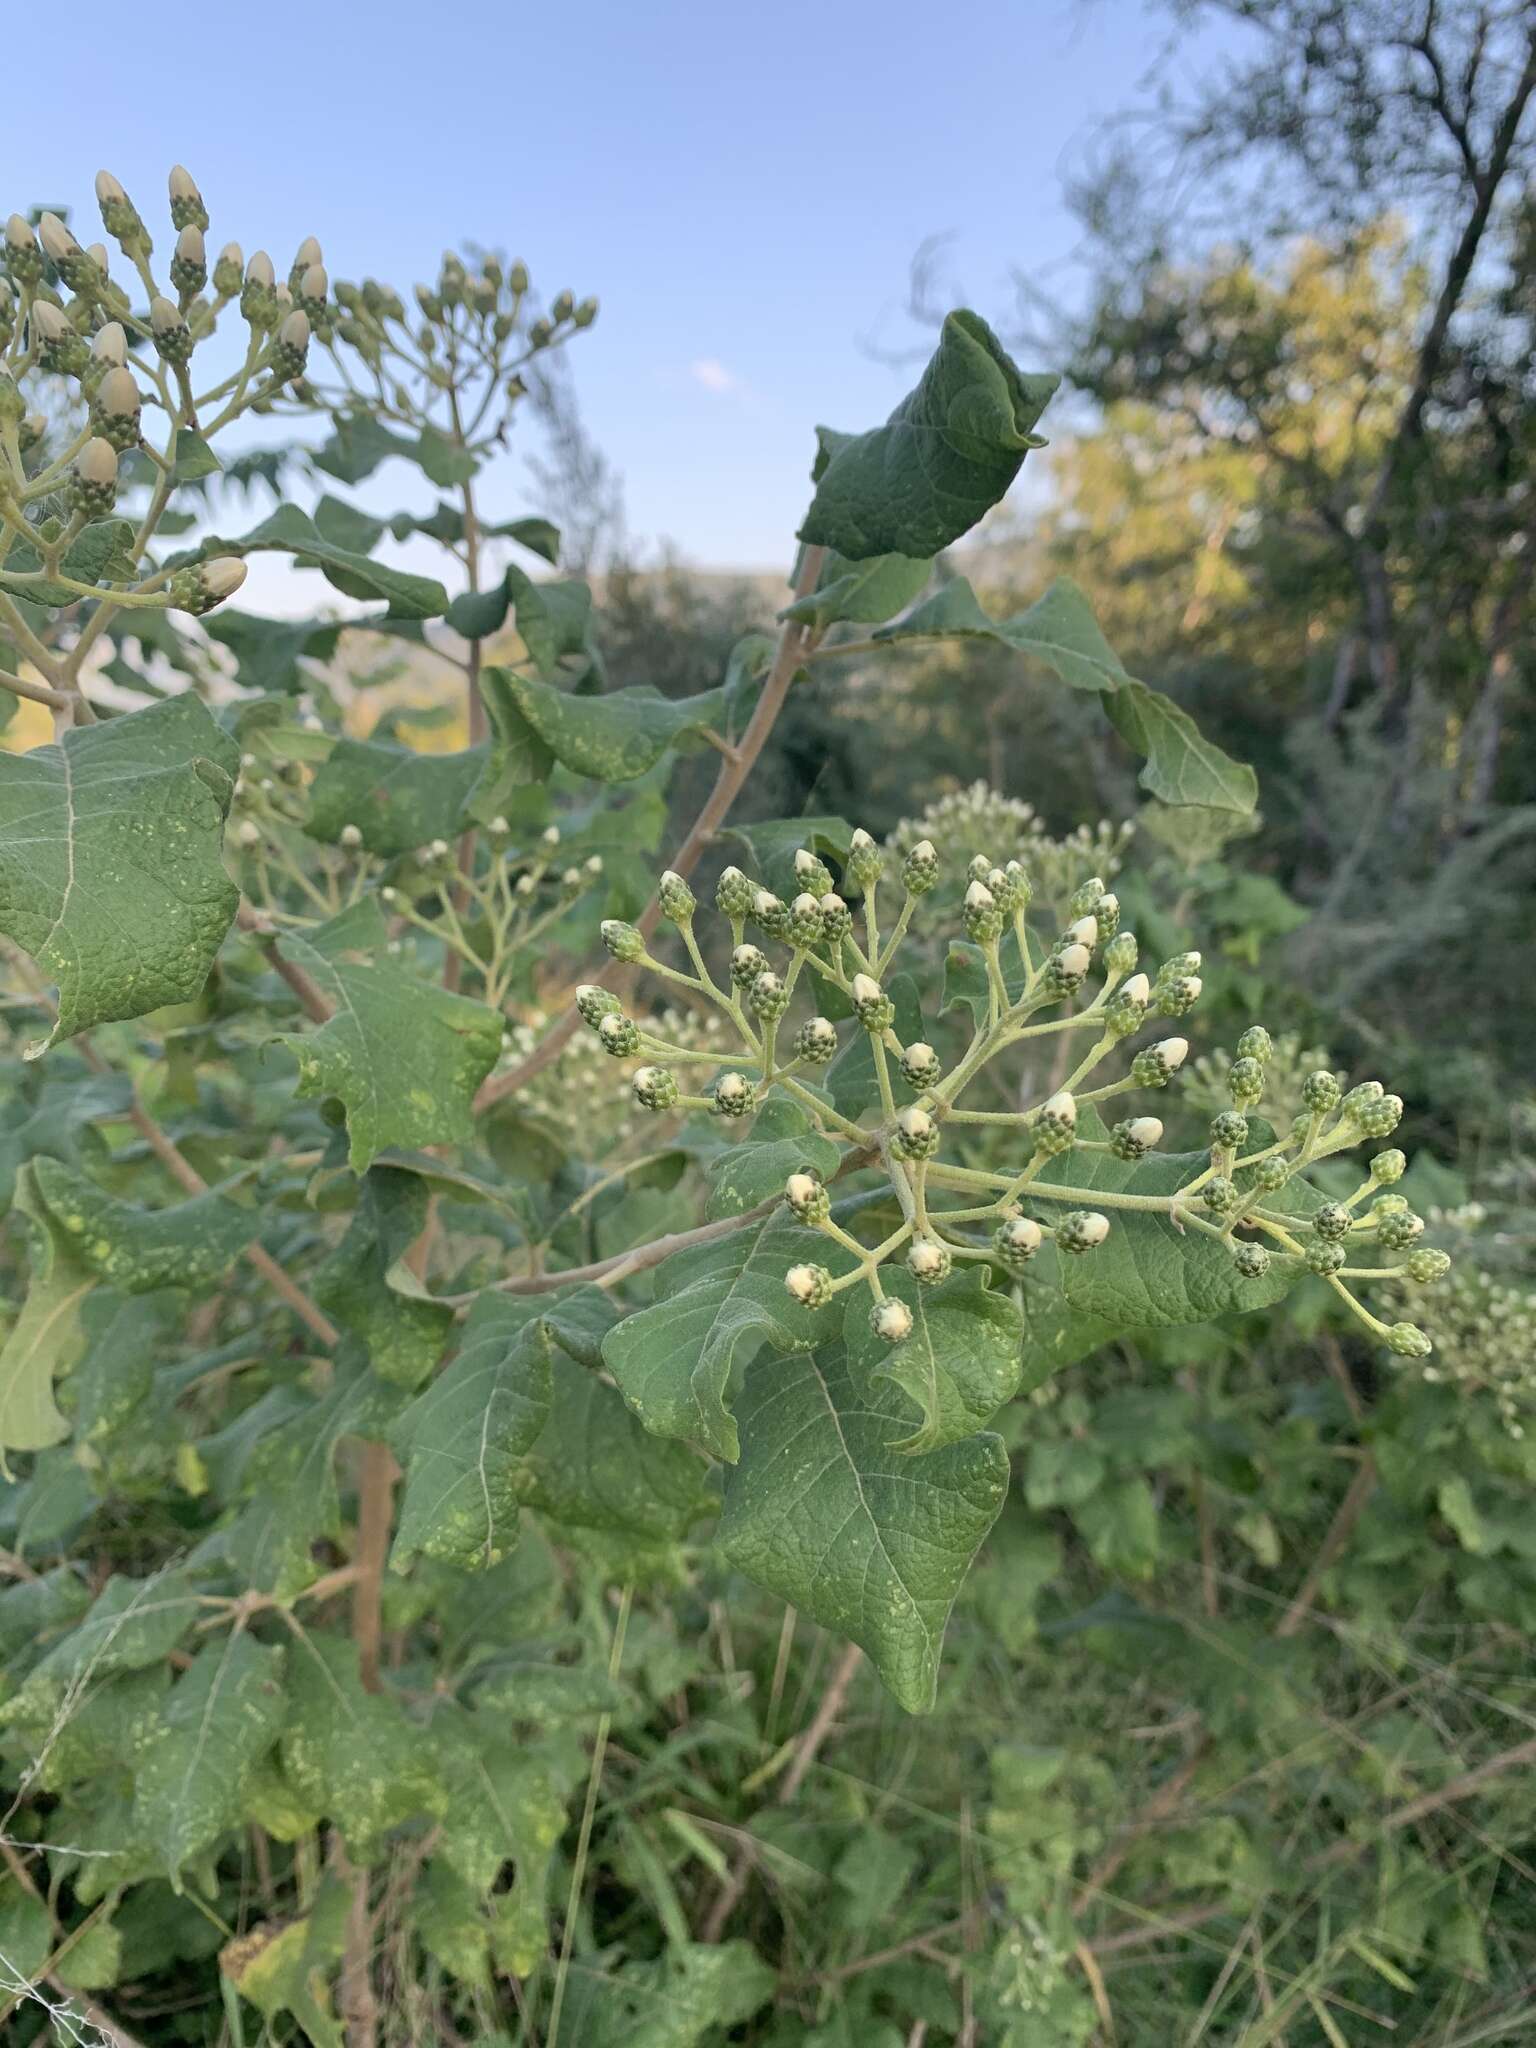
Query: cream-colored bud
{"points": [[351, 836], [765, 903], [550, 836], [308, 254], [801, 1283], [97, 251], [259, 270], [671, 879], [190, 246], [924, 1257], [1146, 1131], [111, 344], [860, 842], [1173, 1052], [284, 298], [1061, 1107], [1085, 932], [314, 284], [594, 864], [1092, 1228], [233, 255], [1023, 1234], [892, 1320], [979, 897], [800, 1190], [806, 862], [1138, 989], [915, 1123], [730, 1087], [18, 232], [119, 395], [294, 332], [805, 905], [58, 243], [97, 462], [221, 577], [866, 989], [248, 834], [108, 191], [164, 317], [182, 184], [925, 851], [49, 322], [1074, 960]]}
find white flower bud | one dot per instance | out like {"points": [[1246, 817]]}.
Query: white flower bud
{"points": [[314, 284], [866, 989], [1092, 1228], [1146, 1131], [731, 1087], [925, 1259], [294, 332], [891, 1320], [49, 323], [182, 185], [915, 1124], [97, 251], [860, 842], [550, 836], [111, 345], [805, 905], [801, 1190], [259, 270], [1173, 1051], [350, 836], [164, 317], [979, 897], [221, 577], [249, 834], [1138, 989], [97, 462], [190, 246], [108, 191], [925, 851], [232, 255], [58, 243], [802, 1284], [18, 233], [1061, 1108], [1085, 932], [1074, 961], [308, 254]]}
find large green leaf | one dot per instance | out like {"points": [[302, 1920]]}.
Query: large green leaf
{"points": [[372, 1293], [133, 1624], [397, 798], [352, 1755], [267, 651], [553, 619], [780, 1142], [869, 1541], [612, 738], [445, 522], [403, 1056], [111, 860], [961, 1362], [594, 1468], [360, 442], [289, 531], [222, 1716], [461, 1440], [948, 454], [187, 1245], [716, 1305], [683, 1998], [1183, 767], [773, 843], [860, 593]]}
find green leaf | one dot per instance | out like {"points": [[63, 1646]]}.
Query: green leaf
{"points": [[397, 798], [460, 1441], [187, 1245], [612, 738], [553, 619], [352, 1755], [403, 1056], [594, 1468], [716, 1305], [133, 1624], [194, 458], [674, 2002], [949, 452], [48, 1337], [223, 1715], [267, 651], [871, 1543], [289, 531], [111, 860], [966, 985], [371, 1292], [860, 593], [1183, 767], [772, 844], [359, 443], [780, 1142], [961, 1362], [445, 523], [284, 1969], [1059, 628]]}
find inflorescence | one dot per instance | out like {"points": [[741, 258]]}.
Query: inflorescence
{"points": [[1249, 1194]]}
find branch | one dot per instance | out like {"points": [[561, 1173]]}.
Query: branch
{"points": [[315, 1005], [795, 644]]}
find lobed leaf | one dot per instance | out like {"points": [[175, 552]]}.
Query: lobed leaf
{"points": [[959, 1365]]}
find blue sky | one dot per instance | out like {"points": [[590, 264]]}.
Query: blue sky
{"points": [[743, 188]]}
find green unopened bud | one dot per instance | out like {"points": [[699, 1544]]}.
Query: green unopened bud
{"points": [[734, 894], [623, 941], [1320, 1092], [93, 481], [1120, 955], [173, 337], [119, 216], [1157, 1065], [205, 585], [816, 1041], [810, 1286], [1245, 1081], [981, 914], [891, 1321], [290, 351], [540, 334], [1177, 995], [59, 347], [1054, 1124], [1084, 1230], [677, 900], [807, 1198], [189, 265], [1408, 1342], [1271, 1174], [1324, 1258], [771, 913], [1016, 1240], [920, 1064], [1359, 1096], [1085, 895], [916, 1135], [594, 1003], [187, 208], [1126, 1010], [258, 295], [747, 963], [1394, 1233], [654, 1088], [1229, 1130], [979, 866], [1388, 1167], [920, 869], [618, 1035], [805, 927], [585, 313], [768, 998], [929, 1262], [865, 860], [517, 279], [733, 1096], [23, 257], [229, 270], [1065, 971], [1380, 1119], [836, 919], [811, 873], [1135, 1137], [1425, 1267], [1106, 915], [1333, 1222], [1220, 1196], [1251, 1260], [1177, 964], [872, 1006], [1256, 1044]]}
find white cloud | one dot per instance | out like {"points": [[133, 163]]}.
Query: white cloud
{"points": [[714, 376]]}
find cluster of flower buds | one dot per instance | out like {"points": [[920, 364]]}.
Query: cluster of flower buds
{"points": [[1078, 986]]}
